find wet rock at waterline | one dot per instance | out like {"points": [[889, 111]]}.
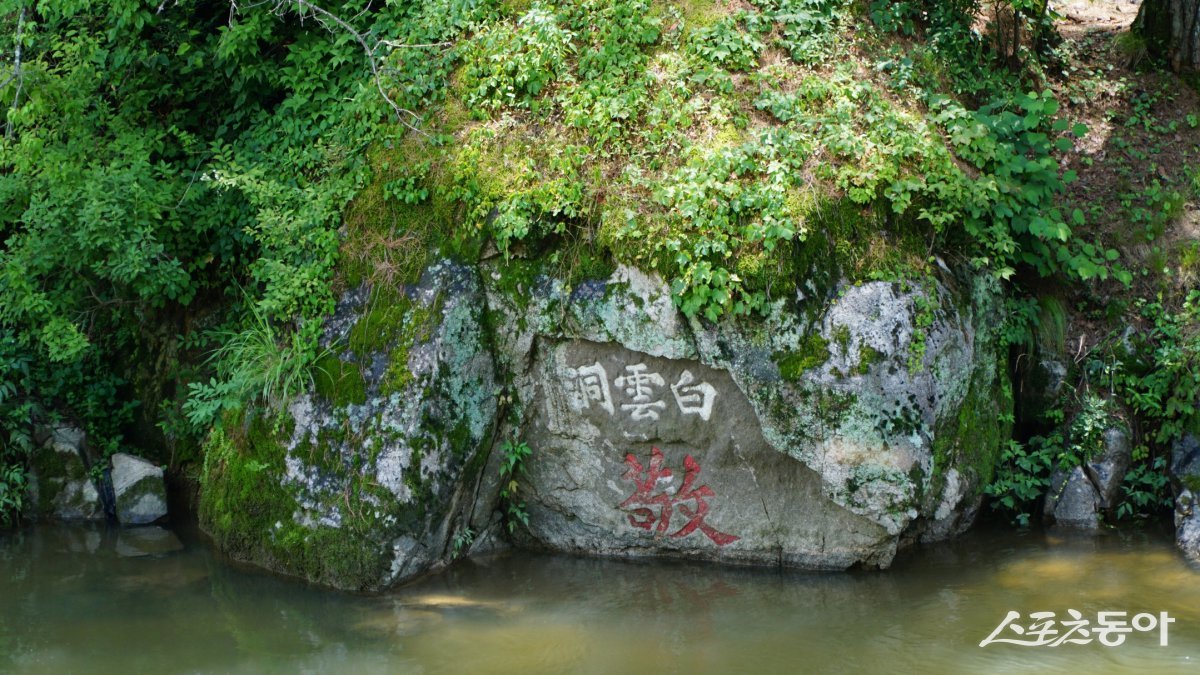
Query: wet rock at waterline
{"points": [[1185, 460], [1187, 525], [820, 438], [139, 490], [373, 476], [1185, 474], [1072, 501], [1079, 498], [60, 485]]}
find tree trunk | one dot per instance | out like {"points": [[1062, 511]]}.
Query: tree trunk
{"points": [[1171, 29]]}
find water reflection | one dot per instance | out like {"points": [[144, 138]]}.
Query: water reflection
{"points": [[75, 599]]}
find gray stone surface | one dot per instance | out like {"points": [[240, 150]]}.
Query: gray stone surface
{"points": [[1185, 458], [1108, 471], [1072, 500], [1187, 525], [825, 435], [139, 489], [617, 477], [836, 432]]}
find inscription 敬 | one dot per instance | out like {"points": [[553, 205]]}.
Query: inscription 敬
{"points": [[653, 503]]}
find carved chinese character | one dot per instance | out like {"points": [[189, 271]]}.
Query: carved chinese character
{"points": [[590, 385], [655, 509], [639, 385], [694, 399]]}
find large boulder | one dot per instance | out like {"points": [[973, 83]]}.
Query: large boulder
{"points": [[139, 490], [61, 486], [825, 435], [371, 477]]}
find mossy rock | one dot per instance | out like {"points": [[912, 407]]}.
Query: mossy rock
{"points": [[363, 482]]}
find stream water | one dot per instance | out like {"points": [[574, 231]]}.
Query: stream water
{"points": [[73, 600]]}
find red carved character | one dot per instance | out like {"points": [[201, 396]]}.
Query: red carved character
{"points": [[647, 502]]}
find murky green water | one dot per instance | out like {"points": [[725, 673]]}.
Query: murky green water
{"points": [[69, 602]]}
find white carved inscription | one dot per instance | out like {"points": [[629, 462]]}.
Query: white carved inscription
{"points": [[639, 385], [590, 385], [694, 398], [587, 386]]}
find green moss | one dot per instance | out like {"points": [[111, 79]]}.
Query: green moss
{"points": [[389, 242], [973, 439], [460, 440], [249, 512], [51, 475], [1051, 326], [867, 357], [1191, 482], [696, 13], [418, 326], [339, 382], [832, 407], [841, 335], [812, 352], [857, 243], [516, 278], [380, 326]]}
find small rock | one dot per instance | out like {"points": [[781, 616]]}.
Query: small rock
{"points": [[1185, 470], [60, 485], [1073, 501], [1108, 471], [66, 439], [1051, 376], [1185, 457], [1187, 526], [139, 489]]}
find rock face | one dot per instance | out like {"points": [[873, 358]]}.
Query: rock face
{"points": [[827, 435], [141, 494], [1079, 498], [642, 455], [821, 437], [372, 477], [61, 487]]}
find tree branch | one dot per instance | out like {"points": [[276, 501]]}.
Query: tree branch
{"points": [[17, 74], [306, 8]]}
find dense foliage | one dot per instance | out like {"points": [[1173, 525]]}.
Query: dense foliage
{"points": [[155, 160]]}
